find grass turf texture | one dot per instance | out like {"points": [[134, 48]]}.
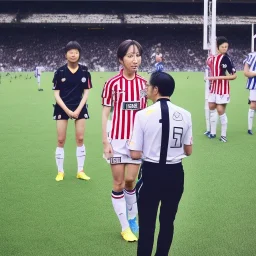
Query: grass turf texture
{"points": [[40, 216]]}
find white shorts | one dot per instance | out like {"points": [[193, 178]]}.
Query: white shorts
{"points": [[252, 96], [121, 153], [219, 99]]}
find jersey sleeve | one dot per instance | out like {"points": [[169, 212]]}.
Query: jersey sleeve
{"points": [[136, 141], [249, 59], [107, 94], [56, 81], [230, 65], [188, 137], [88, 83]]}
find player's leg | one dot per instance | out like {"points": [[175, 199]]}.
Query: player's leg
{"points": [[80, 150], [148, 201], [207, 118], [173, 181], [118, 201], [251, 111], [221, 108], [130, 195], [213, 119], [59, 154], [39, 82]]}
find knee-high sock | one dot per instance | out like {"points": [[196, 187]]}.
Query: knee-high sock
{"points": [[131, 203], [213, 121], [224, 124], [59, 156], [80, 155], [119, 205], [250, 118]]}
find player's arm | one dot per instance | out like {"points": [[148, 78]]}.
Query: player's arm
{"points": [[247, 71], [106, 103], [60, 102], [230, 68], [188, 139], [136, 141]]}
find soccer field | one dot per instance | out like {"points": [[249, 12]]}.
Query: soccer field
{"points": [[41, 217]]}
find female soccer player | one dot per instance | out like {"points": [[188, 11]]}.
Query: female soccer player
{"points": [[250, 73], [71, 84], [126, 93], [219, 95]]}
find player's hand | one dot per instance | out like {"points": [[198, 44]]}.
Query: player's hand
{"points": [[108, 150], [76, 113], [70, 113]]}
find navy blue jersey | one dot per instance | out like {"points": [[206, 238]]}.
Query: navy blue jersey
{"points": [[72, 86]]}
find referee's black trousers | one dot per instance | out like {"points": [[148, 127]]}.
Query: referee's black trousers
{"points": [[158, 184]]}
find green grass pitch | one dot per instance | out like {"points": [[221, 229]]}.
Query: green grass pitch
{"points": [[41, 217]]}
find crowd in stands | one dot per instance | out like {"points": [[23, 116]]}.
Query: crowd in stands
{"points": [[23, 49]]}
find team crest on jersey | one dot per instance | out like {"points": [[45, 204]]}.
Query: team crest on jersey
{"points": [[115, 160], [83, 80], [143, 93], [63, 79], [177, 116], [59, 116], [131, 105]]}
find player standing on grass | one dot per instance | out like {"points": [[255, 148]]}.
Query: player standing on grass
{"points": [[126, 93], [71, 84], [250, 72], [38, 73], [219, 95], [207, 92]]}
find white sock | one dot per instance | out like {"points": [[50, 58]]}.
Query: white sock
{"points": [[213, 121], [250, 118], [224, 124], [59, 156], [80, 155], [119, 205], [131, 203], [207, 119]]}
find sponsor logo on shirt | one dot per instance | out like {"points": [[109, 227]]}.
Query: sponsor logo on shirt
{"points": [[131, 105]]}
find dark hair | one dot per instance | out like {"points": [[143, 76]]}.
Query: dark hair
{"points": [[124, 46], [73, 45], [164, 82], [221, 40]]}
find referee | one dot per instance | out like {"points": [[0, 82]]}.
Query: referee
{"points": [[162, 137]]}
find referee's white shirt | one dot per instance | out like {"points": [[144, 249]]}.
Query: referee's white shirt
{"points": [[147, 133]]}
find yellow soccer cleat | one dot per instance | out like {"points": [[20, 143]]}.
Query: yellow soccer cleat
{"points": [[129, 236], [60, 176], [82, 176]]}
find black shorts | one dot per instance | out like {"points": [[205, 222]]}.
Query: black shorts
{"points": [[60, 114]]}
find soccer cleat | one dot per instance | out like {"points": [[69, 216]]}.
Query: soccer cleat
{"points": [[212, 136], [133, 225], [60, 176], [223, 139], [207, 133], [128, 235], [82, 176], [250, 132]]}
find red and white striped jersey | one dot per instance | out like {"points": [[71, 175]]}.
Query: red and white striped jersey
{"points": [[218, 65], [126, 97]]}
